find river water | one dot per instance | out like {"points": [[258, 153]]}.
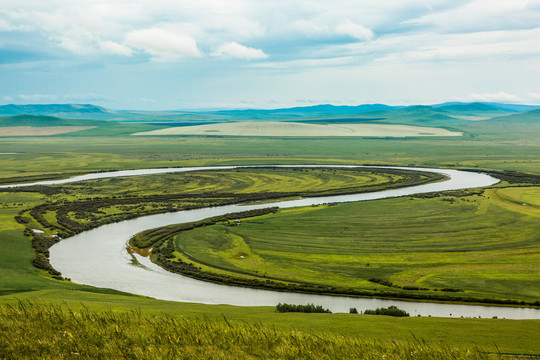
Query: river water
{"points": [[99, 257]]}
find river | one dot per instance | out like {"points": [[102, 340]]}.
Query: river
{"points": [[99, 257]]}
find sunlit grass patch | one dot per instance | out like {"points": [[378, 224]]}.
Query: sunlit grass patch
{"points": [[29, 332]]}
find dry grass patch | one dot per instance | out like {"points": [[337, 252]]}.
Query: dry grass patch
{"points": [[276, 128]]}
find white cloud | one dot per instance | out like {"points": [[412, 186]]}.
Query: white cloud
{"points": [[459, 47], [534, 97], [162, 44], [236, 26], [37, 98], [310, 27], [13, 21], [481, 15], [237, 51], [115, 48], [355, 30], [496, 97], [478, 46]]}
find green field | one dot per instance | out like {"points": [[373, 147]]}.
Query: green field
{"points": [[58, 325], [484, 244]]}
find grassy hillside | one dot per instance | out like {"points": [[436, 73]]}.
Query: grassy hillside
{"points": [[103, 128], [523, 126], [417, 115]]}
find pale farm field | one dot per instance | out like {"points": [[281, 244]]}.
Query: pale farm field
{"points": [[40, 131], [276, 128]]}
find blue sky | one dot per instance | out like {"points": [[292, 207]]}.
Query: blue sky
{"points": [[178, 54]]}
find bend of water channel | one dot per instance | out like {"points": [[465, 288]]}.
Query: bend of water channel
{"points": [[99, 257]]}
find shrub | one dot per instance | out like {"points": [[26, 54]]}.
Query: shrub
{"points": [[309, 308], [390, 311]]}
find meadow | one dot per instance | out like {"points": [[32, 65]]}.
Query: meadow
{"points": [[60, 332], [481, 148], [475, 245]]}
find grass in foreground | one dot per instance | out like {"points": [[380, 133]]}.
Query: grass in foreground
{"points": [[489, 335], [29, 332]]}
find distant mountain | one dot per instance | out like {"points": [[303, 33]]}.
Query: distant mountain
{"points": [[515, 107], [522, 125], [474, 107], [526, 117], [42, 121], [485, 106], [71, 111], [312, 110], [416, 115], [446, 114], [102, 128]]}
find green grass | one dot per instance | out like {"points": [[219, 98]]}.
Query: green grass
{"points": [[79, 154], [61, 156], [52, 332], [485, 245], [93, 315], [125, 197]]}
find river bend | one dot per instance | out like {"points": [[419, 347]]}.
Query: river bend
{"points": [[99, 257]]}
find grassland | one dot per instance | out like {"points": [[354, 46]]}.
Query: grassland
{"points": [[70, 155], [65, 332], [507, 148], [484, 245], [72, 208]]}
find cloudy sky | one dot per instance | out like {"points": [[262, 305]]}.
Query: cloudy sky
{"points": [[188, 54]]}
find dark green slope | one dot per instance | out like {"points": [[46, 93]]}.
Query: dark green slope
{"points": [[476, 107], [78, 111], [524, 126], [417, 115]]}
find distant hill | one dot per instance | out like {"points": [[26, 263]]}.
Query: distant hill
{"points": [[524, 125], [324, 109], [102, 128], [72, 111], [485, 106], [446, 114], [42, 121], [476, 107], [416, 115], [530, 117], [515, 107]]}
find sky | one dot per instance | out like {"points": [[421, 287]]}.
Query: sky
{"points": [[208, 54]]}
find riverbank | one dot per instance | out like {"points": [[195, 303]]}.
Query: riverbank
{"points": [[131, 227]]}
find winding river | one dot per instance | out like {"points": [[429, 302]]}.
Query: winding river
{"points": [[99, 257]]}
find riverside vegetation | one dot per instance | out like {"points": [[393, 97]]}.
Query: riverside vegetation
{"points": [[514, 149], [73, 208], [438, 254]]}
